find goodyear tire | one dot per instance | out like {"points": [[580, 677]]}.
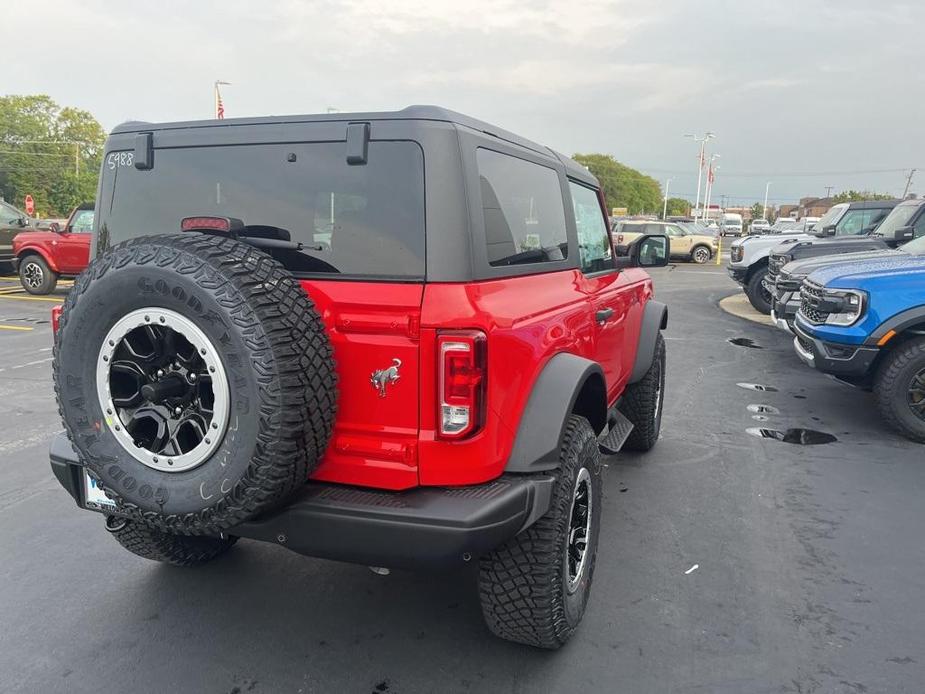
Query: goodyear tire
{"points": [[534, 589], [196, 380], [157, 545], [35, 275], [759, 297], [643, 403], [900, 389]]}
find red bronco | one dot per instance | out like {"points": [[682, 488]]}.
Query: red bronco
{"points": [[397, 339], [42, 256]]}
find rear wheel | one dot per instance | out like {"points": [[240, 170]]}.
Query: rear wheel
{"points": [[701, 255], [759, 297], [157, 545], [642, 403], [535, 588], [900, 389], [35, 275]]}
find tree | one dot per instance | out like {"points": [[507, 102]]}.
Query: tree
{"points": [[678, 207], [858, 195], [49, 152], [623, 186], [757, 211]]}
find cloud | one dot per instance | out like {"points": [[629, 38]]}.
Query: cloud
{"points": [[773, 83]]}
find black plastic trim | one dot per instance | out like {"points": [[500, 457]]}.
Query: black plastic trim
{"points": [[899, 322], [654, 319], [425, 527], [553, 399]]}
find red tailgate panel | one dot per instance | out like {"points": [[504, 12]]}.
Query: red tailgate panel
{"points": [[372, 324]]}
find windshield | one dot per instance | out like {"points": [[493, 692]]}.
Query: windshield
{"points": [[916, 247], [899, 217], [831, 217]]}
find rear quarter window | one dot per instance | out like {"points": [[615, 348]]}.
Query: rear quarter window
{"points": [[352, 220], [522, 209]]}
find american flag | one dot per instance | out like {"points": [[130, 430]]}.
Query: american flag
{"points": [[710, 175], [220, 109]]}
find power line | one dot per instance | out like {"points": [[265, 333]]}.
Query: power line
{"points": [[784, 174]]}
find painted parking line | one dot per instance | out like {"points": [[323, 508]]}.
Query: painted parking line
{"points": [[16, 327], [23, 366], [15, 297]]}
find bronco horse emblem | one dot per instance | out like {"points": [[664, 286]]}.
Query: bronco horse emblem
{"points": [[382, 378]]}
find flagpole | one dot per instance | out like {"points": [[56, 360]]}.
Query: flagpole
{"points": [[219, 111]]}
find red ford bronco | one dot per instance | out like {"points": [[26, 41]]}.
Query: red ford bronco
{"points": [[397, 339], [42, 256]]}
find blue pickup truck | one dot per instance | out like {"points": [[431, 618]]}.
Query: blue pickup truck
{"points": [[864, 322]]}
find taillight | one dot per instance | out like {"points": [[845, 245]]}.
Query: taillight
{"points": [[461, 380], [56, 318]]}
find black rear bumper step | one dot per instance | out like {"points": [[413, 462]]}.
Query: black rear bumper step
{"points": [[421, 527]]}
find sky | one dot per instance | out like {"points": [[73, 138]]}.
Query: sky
{"points": [[802, 94]]}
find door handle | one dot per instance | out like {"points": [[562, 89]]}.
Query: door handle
{"points": [[603, 315]]}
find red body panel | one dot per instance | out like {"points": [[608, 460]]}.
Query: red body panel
{"points": [[65, 253], [390, 442]]}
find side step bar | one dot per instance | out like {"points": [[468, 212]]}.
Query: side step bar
{"points": [[618, 431]]}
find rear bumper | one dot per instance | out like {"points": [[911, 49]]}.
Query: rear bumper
{"points": [[833, 358], [418, 528]]}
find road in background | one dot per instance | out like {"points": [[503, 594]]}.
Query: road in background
{"points": [[810, 570]]}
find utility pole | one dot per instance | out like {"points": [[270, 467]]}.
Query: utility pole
{"points": [[665, 204], [703, 141], [828, 191], [908, 184], [710, 176], [764, 207]]}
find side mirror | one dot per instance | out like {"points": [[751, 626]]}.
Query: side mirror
{"points": [[55, 227], [22, 221], [906, 233], [646, 251], [828, 230]]}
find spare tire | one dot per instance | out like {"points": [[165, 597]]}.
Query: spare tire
{"points": [[196, 380]]}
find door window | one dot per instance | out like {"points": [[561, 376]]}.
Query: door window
{"points": [[82, 223], [594, 248]]}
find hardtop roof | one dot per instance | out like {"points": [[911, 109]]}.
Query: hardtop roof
{"points": [[418, 112]]}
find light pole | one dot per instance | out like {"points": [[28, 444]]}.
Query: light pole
{"points": [[665, 204], [764, 208], [702, 139]]}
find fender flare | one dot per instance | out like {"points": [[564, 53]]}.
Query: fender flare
{"points": [[567, 384], [899, 322], [654, 319], [41, 252]]}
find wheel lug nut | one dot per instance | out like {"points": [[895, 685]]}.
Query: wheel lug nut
{"points": [[178, 410], [160, 372], [192, 377]]}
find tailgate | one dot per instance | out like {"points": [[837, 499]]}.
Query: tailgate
{"points": [[377, 350]]}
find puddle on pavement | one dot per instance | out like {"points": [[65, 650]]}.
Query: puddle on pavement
{"points": [[763, 409], [802, 437], [744, 342], [758, 387]]}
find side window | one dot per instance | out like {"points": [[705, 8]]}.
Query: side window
{"points": [[523, 210], [82, 222], [594, 248], [8, 215], [670, 230], [853, 222], [918, 228]]}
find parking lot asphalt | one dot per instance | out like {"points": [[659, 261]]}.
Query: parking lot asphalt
{"points": [[810, 569]]}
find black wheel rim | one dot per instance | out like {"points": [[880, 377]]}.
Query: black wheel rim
{"points": [[579, 531], [163, 389], [916, 394]]}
